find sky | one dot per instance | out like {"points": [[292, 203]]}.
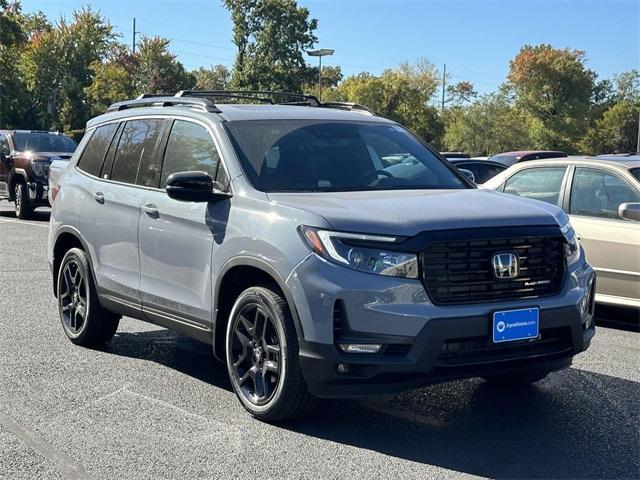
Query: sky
{"points": [[476, 39]]}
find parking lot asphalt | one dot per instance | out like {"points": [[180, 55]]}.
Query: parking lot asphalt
{"points": [[154, 404]]}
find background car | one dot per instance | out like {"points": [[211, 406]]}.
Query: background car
{"points": [[56, 168], [511, 158], [482, 170], [25, 157], [455, 155], [602, 198]]}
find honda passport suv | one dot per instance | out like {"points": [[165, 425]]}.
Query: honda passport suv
{"points": [[25, 156], [290, 238]]}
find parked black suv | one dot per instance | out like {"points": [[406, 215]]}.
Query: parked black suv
{"points": [[25, 156]]}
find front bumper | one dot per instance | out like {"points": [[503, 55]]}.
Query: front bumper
{"points": [[424, 343], [38, 193]]}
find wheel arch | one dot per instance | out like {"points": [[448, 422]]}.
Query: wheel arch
{"points": [[67, 238], [16, 175], [237, 275]]}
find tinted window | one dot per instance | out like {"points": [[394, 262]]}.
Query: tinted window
{"points": [[190, 147], [635, 172], [493, 170], [43, 142], [136, 150], [308, 155], [93, 154], [478, 169], [4, 145], [538, 183], [597, 193]]}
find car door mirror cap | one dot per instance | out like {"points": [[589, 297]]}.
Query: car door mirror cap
{"points": [[194, 186], [629, 211]]}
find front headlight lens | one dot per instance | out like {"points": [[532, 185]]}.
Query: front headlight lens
{"points": [[572, 244], [349, 250], [39, 168]]}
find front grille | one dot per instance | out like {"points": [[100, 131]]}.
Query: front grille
{"points": [[457, 272], [479, 350]]}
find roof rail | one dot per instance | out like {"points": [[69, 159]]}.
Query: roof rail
{"points": [[348, 106], [152, 100], [263, 96]]}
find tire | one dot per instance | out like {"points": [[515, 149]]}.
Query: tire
{"points": [[515, 379], [24, 210], [261, 338], [84, 321]]}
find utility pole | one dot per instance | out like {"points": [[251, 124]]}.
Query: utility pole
{"points": [[444, 81], [133, 45]]}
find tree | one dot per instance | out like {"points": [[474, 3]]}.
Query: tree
{"points": [[490, 125], [11, 18], [460, 93], [401, 94], [556, 88], [627, 86], [113, 81], [616, 131], [271, 36], [159, 71], [215, 78]]}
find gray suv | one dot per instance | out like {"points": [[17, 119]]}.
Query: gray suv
{"points": [[282, 235]]}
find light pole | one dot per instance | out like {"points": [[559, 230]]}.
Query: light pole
{"points": [[323, 52]]}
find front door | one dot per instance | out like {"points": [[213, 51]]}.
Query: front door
{"points": [[612, 245], [177, 238], [5, 154]]}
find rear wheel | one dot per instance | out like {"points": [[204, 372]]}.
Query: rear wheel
{"points": [[262, 357], [23, 206], [84, 320], [515, 379]]}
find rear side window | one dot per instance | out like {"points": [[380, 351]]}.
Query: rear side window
{"points": [[95, 151], [538, 183], [136, 153], [190, 147]]}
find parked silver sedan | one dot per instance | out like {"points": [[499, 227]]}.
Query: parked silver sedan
{"points": [[602, 198]]}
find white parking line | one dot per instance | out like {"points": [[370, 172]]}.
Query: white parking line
{"points": [[25, 222]]}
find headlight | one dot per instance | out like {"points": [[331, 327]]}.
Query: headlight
{"points": [[365, 253], [572, 244], [39, 168]]}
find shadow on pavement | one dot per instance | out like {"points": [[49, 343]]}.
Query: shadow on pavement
{"points": [[37, 216], [618, 317], [174, 351], [576, 424]]}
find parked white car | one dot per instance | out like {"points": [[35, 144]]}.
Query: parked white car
{"points": [[56, 168]]}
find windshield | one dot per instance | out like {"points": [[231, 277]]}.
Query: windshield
{"points": [[43, 142], [315, 156], [505, 159]]}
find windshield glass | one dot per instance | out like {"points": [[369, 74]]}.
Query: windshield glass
{"points": [[315, 156], [505, 159], [43, 142]]}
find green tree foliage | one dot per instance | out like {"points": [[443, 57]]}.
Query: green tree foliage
{"points": [[158, 69], [616, 131], [271, 37], [113, 81], [460, 93], [215, 78], [556, 88], [492, 124], [401, 94]]}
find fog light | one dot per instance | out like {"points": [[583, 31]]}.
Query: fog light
{"points": [[343, 368], [360, 347]]}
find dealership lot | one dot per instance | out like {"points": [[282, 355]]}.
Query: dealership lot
{"points": [[154, 404]]}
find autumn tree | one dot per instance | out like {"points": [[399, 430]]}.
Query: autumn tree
{"points": [[271, 37], [460, 93], [556, 88], [616, 131], [215, 78], [159, 71]]}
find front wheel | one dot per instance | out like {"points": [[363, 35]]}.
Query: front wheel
{"points": [[22, 202], [262, 357], [515, 379]]}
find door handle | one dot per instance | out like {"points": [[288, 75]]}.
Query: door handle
{"points": [[151, 210], [99, 197]]}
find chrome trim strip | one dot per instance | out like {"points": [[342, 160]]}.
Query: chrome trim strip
{"points": [[620, 272], [175, 318]]}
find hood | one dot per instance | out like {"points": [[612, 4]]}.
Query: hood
{"points": [[49, 156], [409, 212]]}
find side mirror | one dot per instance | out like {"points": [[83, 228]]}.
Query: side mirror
{"points": [[629, 211], [469, 174], [193, 187]]}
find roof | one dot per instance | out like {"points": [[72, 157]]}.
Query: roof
{"points": [[522, 153], [622, 163], [620, 157], [242, 112]]}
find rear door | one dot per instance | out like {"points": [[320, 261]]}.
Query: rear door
{"points": [[612, 244], [177, 238], [111, 213]]}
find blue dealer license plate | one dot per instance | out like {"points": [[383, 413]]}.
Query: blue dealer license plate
{"points": [[511, 325]]}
